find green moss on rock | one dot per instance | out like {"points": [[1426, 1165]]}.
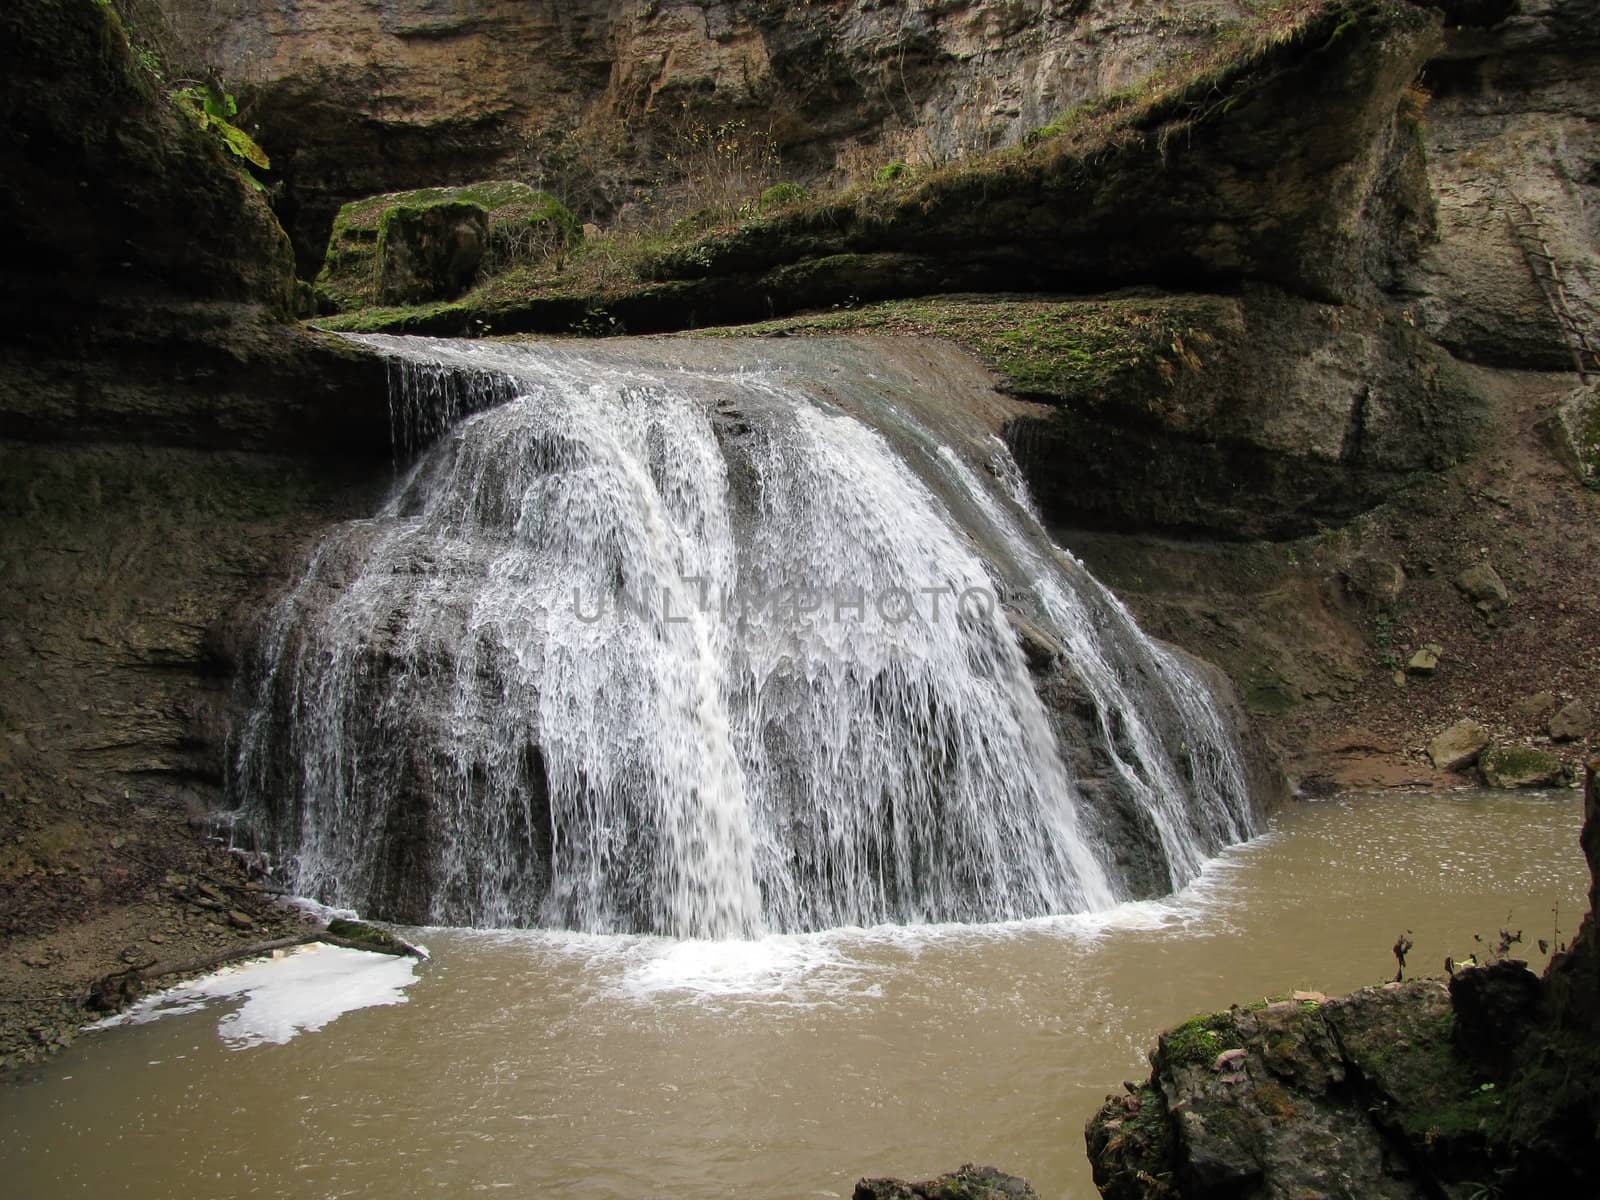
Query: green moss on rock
{"points": [[360, 935], [1519, 766], [1042, 348], [373, 238], [1198, 1041]]}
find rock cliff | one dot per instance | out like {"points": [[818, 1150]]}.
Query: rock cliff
{"points": [[167, 441], [589, 98]]}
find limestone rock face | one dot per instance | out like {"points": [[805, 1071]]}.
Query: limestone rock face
{"points": [[353, 98], [1255, 417], [1458, 746], [164, 430], [1512, 143]]}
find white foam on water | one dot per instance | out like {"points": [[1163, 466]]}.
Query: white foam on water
{"points": [[847, 964], [799, 970], [300, 992]]}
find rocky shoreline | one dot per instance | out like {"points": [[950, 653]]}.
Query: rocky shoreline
{"points": [[1486, 1079]]}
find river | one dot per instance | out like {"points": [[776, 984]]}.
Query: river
{"points": [[563, 1065]]}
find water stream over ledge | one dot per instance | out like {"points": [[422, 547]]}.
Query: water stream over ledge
{"points": [[568, 1065], [717, 640]]}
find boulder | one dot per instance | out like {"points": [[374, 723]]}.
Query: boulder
{"points": [[1535, 707], [429, 251], [1426, 660], [1458, 746], [1574, 431], [1485, 1087], [1255, 1102], [1572, 723], [1482, 584], [1519, 766], [429, 244], [1377, 581]]}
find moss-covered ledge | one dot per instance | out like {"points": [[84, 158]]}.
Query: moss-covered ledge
{"points": [[1250, 415], [1258, 414]]}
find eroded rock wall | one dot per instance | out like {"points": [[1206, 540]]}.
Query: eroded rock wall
{"points": [[589, 98], [167, 443], [1513, 152]]}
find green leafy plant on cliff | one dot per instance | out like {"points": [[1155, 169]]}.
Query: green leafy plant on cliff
{"points": [[213, 110]]}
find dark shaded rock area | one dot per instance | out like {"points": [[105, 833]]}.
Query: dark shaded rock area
{"points": [[168, 447], [1263, 416], [109, 190], [969, 1183], [1419, 1089]]}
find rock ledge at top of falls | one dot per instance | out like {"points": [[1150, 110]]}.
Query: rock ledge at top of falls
{"points": [[1423, 1088]]}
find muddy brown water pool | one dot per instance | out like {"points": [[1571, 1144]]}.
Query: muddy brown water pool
{"points": [[559, 1065]]}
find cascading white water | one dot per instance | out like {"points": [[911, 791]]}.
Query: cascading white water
{"points": [[694, 650]]}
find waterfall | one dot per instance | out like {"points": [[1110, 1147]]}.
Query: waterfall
{"points": [[710, 642]]}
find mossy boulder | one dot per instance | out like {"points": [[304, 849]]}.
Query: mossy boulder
{"points": [[969, 1183], [1487, 1086], [432, 243], [429, 251], [1519, 766]]}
